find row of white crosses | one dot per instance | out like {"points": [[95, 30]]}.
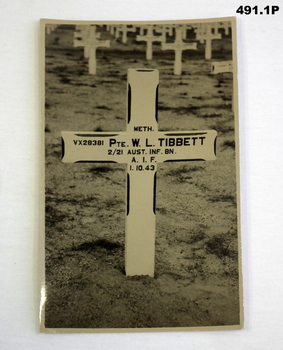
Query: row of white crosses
{"points": [[141, 147], [205, 32]]}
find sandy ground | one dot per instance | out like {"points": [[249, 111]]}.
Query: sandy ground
{"points": [[196, 281]]}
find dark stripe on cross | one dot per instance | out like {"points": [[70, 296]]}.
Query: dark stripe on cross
{"points": [[183, 160], [154, 194], [63, 147], [156, 103], [128, 194], [215, 145], [129, 102], [145, 70], [185, 133], [96, 135], [95, 161]]}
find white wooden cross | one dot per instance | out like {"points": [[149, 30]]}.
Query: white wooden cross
{"points": [[81, 38], [199, 29], [92, 43], [178, 46], [141, 147], [163, 29], [208, 36], [226, 26], [149, 38], [124, 29], [111, 29]]}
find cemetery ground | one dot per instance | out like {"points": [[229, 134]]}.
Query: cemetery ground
{"points": [[196, 282]]}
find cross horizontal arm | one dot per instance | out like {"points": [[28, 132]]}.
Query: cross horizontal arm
{"points": [[146, 146]]}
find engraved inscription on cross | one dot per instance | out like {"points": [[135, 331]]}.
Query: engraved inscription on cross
{"points": [[141, 147]]}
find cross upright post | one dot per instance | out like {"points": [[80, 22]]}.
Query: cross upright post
{"points": [[141, 147]]}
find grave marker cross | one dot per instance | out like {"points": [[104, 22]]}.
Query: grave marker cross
{"points": [[124, 29], [81, 38], [140, 147], [208, 36], [178, 46], [92, 43], [150, 38]]}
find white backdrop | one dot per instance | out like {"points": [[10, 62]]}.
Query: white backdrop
{"points": [[261, 139]]}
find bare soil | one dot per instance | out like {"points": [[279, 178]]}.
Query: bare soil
{"points": [[196, 281]]}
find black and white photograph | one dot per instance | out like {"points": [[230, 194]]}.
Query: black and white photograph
{"points": [[142, 216]]}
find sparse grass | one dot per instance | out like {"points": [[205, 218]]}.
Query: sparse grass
{"points": [[47, 129], [65, 80], [219, 245], [98, 128], [228, 143], [112, 202], [196, 236], [183, 169], [223, 198], [103, 107], [178, 110], [100, 169], [183, 173], [193, 236], [60, 69], [82, 84], [56, 40], [212, 115], [161, 210], [53, 216], [83, 201], [99, 243], [109, 81], [222, 128]]}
